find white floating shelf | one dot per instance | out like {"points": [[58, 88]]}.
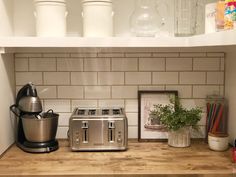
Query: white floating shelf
{"points": [[224, 38]]}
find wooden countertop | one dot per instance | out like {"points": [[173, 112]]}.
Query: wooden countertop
{"points": [[141, 159]]}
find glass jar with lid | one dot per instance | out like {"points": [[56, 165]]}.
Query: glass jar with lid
{"points": [[185, 17], [144, 21]]}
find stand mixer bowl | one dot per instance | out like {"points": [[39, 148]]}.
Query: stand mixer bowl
{"points": [[41, 129]]}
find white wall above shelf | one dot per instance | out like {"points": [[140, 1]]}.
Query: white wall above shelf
{"points": [[224, 38]]}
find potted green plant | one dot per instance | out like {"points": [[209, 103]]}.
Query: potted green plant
{"points": [[178, 121]]}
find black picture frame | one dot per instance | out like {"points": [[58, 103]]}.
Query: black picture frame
{"points": [[148, 131]]}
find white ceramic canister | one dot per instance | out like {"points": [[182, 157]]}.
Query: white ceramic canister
{"points": [[50, 18], [97, 18]]}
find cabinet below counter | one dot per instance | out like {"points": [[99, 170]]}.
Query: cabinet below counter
{"points": [[141, 159]]}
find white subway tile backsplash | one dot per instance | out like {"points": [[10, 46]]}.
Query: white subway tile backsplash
{"points": [[63, 55], [192, 78], [222, 90], [56, 78], [202, 122], [111, 103], [137, 54], [21, 64], [70, 92], [62, 132], [215, 78], [111, 78], [84, 78], [179, 64], [83, 55], [47, 91], [162, 54], [151, 64], [97, 92], [24, 55], [165, 78], [193, 54], [97, 64], [64, 119], [222, 64], [114, 55], [124, 64], [152, 87], [215, 54], [133, 132], [84, 104], [131, 106], [42, 64], [69, 64], [24, 77], [203, 91], [58, 105], [200, 133], [132, 119], [124, 91], [206, 64], [184, 91], [138, 78], [191, 103]]}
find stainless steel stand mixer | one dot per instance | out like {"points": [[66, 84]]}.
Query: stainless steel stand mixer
{"points": [[35, 131]]}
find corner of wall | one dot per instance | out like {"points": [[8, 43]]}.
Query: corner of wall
{"points": [[6, 17], [230, 91], [7, 94]]}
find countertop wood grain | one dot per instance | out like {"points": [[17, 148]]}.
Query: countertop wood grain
{"points": [[141, 159]]}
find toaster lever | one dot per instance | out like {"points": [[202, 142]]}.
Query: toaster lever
{"points": [[85, 131], [111, 131]]}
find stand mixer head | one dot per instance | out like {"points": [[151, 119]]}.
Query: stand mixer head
{"points": [[27, 100]]}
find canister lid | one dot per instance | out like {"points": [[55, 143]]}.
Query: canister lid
{"points": [[58, 1], [84, 1]]}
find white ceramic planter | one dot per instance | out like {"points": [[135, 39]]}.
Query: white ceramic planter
{"points": [[179, 138]]}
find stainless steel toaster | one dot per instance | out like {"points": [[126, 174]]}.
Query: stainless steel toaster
{"points": [[100, 129]]}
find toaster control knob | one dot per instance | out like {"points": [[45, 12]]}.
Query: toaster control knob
{"points": [[77, 140], [119, 140]]}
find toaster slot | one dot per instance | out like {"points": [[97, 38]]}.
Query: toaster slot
{"points": [[105, 112], [116, 111], [92, 112], [85, 131], [111, 131], [81, 112]]}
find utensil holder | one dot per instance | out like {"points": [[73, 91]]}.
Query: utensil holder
{"points": [[216, 120]]}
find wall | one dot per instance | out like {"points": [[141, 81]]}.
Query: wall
{"points": [[7, 93], [6, 17], [230, 87], [96, 78]]}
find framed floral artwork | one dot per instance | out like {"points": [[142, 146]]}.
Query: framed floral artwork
{"points": [[149, 125]]}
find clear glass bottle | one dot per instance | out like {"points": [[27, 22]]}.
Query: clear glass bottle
{"points": [[145, 20], [185, 17]]}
